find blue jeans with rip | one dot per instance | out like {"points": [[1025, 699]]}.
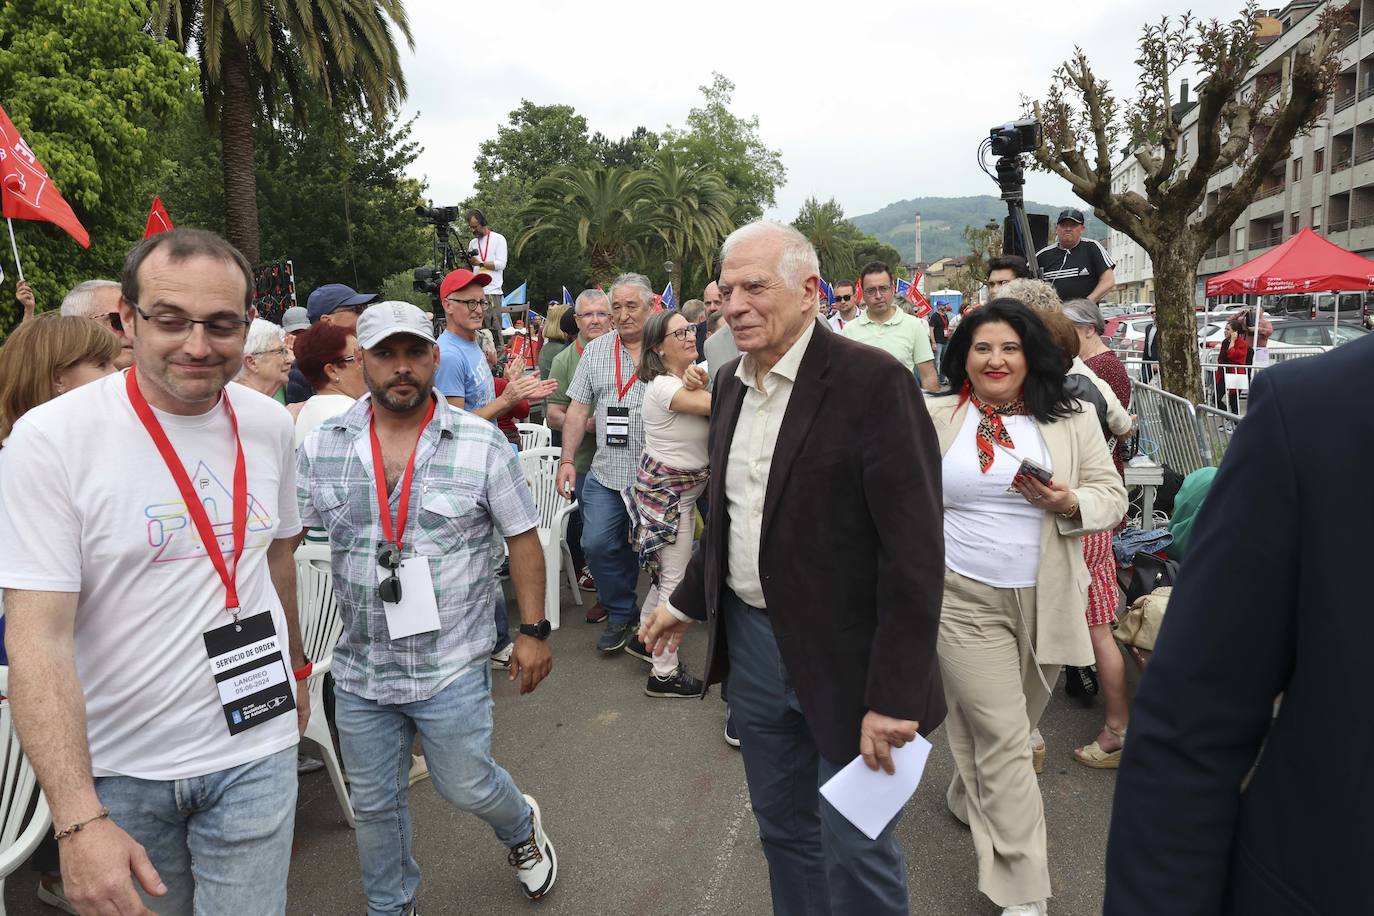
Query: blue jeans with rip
{"points": [[606, 541], [455, 727], [220, 842]]}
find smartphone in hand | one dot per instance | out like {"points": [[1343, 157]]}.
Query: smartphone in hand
{"points": [[1031, 469]]}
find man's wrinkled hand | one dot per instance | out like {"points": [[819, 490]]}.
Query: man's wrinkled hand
{"points": [[97, 862], [662, 632], [879, 734]]}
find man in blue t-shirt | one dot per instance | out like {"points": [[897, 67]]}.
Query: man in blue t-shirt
{"points": [[465, 379]]}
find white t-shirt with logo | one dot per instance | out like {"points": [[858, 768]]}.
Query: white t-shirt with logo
{"points": [[87, 505], [491, 247]]}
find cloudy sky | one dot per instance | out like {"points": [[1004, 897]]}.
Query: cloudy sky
{"points": [[868, 104]]}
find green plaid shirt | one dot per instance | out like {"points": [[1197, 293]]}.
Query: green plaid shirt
{"points": [[467, 494]]}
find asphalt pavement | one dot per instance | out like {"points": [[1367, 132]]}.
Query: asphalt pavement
{"points": [[648, 810]]}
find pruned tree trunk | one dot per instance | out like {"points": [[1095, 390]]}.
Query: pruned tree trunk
{"points": [[1175, 274], [236, 131]]}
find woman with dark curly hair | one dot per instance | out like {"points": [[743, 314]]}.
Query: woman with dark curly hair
{"points": [[1026, 475]]}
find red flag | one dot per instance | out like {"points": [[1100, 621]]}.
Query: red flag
{"points": [[28, 192], [923, 308], [158, 220], [859, 290]]}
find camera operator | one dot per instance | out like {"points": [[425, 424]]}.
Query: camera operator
{"points": [[1078, 269], [487, 254]]}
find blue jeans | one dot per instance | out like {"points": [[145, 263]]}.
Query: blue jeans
{"points": [[220, 842], [454, 726], [606, 540], [502, 620], [818, 862]]}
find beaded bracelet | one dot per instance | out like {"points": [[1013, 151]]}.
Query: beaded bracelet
{"points": [[76, 828]]}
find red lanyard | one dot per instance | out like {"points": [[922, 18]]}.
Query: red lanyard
{"points": [[622, 387], [194, 507], [379, 473], [483, 245], [578, 343]]}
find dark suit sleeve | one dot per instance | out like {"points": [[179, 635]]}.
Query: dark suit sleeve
{"points": [[1205, 704], [902, 494]]}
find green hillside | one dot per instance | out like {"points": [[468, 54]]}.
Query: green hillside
{"points": [[943, 220]]}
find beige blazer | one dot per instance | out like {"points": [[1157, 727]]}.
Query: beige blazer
{"points": [[1081, 462]]}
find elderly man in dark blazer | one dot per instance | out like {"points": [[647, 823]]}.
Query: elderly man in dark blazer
{"points": [[1222, 806], [832, 657]]}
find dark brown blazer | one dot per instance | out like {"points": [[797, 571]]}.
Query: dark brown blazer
{"points": [[852, 552]]}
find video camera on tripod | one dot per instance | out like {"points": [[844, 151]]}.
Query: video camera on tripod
{"points": [[427, 280], [1009, 142]]}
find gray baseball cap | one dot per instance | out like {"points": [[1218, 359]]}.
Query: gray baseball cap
{"points": [[295, 318], [383, 319]]}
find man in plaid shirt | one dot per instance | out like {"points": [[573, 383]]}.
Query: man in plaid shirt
{"points": [[415, 551]]}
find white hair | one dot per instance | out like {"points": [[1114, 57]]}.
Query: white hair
{"points": [[485, 341], [263, 335], [638, 282], [588, 295], [797, 258], [78, 301]]}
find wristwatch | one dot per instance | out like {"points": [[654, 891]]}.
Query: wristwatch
{"points": [[538, 630]]}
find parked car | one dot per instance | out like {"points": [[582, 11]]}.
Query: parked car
{"points": [[1309, 333], [1129, 332]]}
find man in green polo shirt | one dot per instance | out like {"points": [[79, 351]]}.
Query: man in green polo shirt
{"points": [[593, 313], [887, 327]]}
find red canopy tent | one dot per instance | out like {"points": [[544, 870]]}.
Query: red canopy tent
{"points": [[1306, 263]]}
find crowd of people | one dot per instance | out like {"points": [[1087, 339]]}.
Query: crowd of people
{"points": [[968, 471]]}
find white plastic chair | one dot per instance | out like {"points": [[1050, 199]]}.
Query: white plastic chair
{"points": [[534, 435], [20, 832], [541, 470], [320, 629]]}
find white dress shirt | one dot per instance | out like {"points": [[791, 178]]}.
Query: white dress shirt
{"points": [[750, 461]]}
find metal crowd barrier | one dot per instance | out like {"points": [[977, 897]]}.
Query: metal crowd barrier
{"points": [[1169, 429]]}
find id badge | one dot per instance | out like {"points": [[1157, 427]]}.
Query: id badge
{"points": [[618, 426], [418, 610], [249, 671]]}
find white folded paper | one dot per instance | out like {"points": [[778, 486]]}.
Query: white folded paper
{"points": [[870, 799]]}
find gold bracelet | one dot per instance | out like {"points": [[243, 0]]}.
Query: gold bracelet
{"points": [[76, 828], [1070, 514]]}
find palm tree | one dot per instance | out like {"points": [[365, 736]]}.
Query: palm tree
{"points": [[603, 210], [693, 210], [257, 54], [833, 238]]}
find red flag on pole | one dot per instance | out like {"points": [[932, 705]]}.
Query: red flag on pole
{"points": [[28, 192], [923, 308], [158, 220]]}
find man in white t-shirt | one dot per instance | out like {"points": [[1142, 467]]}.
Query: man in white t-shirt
{"points": [[159, 688], [846, 306], [487, 254]]}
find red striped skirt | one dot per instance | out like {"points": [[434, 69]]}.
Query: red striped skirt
{"points": [[1102, 590]]}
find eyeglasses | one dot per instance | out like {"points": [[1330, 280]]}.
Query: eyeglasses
{"points": [[839, 298], [682, 333], [113, 320], [389, 558], [472, 304], [279, 351], [343, 359], [180, 325], [877, 290]]}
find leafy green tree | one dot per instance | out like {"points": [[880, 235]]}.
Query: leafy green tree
{"points": [[636, 151], [721, 141], [832, 237], [89, 91], [537, 140], [256, 54], [693, 208], [602, 211]]}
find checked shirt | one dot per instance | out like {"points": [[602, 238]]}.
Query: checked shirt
{"points": [[467, 494]]}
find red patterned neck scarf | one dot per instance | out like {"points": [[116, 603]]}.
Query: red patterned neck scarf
{"points": [[991, 432]]}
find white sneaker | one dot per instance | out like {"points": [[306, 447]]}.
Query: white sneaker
{"points": [[535, 863], [1038, 908], [419, 768], [502, 659]]}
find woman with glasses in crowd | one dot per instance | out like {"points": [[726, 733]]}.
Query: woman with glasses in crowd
{"points": [[266, 360], [327, 356], [1026, 475], [671, 477]]}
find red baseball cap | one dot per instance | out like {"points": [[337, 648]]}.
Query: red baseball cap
{"points": [[457, 279]]}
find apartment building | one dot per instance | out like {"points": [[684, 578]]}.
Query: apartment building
{"points": [[1327, 179]]}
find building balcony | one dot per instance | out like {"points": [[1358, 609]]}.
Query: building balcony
{"points": [[1362, 222], [1337, 226], [1260, 242], [1346, 102]]}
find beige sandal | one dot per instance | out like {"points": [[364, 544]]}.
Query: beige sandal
{"points": [[1093, 756]]}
